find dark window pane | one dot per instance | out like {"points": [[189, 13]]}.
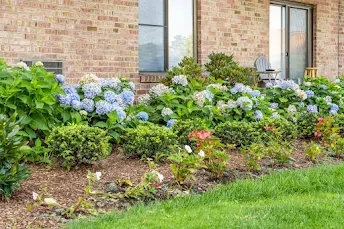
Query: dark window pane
{"points": [[180, 30], [151, 48], [151, 12]]}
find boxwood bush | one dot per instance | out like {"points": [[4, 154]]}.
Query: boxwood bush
{"points": [[306, 124], [183, 128], [78, 144], [149, 141]]}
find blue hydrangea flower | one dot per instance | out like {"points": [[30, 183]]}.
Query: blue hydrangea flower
{"points": [[131, 86], [127, 97], [245, 103], [255, 93], [275, 115], [312, 109], [143, 116], [74, 97], [69, 90], [91, 90], [103, 107], [87, 105], [287, 85], [120, 112], [334, 109], [170, 123], [273, 105], [324, 87], [180, 80], [310, 94], [64, 100], [60, 78], [208, 95], [76, 105], [110, 96], [258, 115], [113, 83]]}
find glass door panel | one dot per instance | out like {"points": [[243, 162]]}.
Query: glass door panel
{"points": [[298, 45]]}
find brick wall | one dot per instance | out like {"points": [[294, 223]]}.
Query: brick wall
{"points": [[101, 36], [341, 39], [93, 36]]}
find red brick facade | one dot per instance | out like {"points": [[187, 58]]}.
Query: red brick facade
{"points": [[101, 36]]}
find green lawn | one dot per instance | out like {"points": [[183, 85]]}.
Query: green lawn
{"points": [[311, 198]]}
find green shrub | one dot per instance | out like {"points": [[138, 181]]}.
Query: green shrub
{"points": [[30, 93], [183, 128], [286, 129], [237, 133], [339, 123], [149, 140], [187, 66], [78, 144], [222, 66], [306, 124], [12, 151]]}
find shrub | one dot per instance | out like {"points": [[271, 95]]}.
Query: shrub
{"points": [[78, 144], [187, 66], [222, 66], [285, 128], [306, 124], [237, 133], [12, 151], [313, 151], [30, 92], [183, 128], [339, 123], [253, 154], [149, 141]]}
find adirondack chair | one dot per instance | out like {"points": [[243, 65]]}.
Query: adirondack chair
{"points": [[262, 64]]}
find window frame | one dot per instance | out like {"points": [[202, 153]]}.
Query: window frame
{"points": [[166, 36]]}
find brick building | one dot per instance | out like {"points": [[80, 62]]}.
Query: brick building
{"points": [[133, 38]]}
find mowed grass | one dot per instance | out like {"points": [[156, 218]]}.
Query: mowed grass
{"points": [[311, 198]]}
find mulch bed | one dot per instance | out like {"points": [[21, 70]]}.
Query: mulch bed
{"points": [[65, 186]]}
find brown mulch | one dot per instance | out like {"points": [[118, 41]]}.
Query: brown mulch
{"points": [[65, 186]]}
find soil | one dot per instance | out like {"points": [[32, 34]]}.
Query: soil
{"points": [[66, 186]]}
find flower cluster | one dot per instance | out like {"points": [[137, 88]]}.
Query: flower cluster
{"points": [[273, 105], [22, 65], [240, 88], [159, 90], [286, 85], [201, 97], [113, 83], [144, 99], [103, 107], [310, 94], [91, 90], [218, 86], [245, 103], [334, 109], [258, 115], [170, 123], [312, 109], [301, 94], [143, 116], [60, 78], [201, 135], [180, 80], [292, 109], [166, 112], [88, 78]]}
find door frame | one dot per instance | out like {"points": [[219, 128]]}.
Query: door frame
{"points": [[288, 5]]}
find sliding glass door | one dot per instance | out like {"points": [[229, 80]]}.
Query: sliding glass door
{"points": [[290, 39]]}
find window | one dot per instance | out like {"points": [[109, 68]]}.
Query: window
{"points": [[51, 66], [166, 33]]}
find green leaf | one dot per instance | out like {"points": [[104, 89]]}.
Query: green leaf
{"points": [[66, 115], [283, 100], [101, 124]]}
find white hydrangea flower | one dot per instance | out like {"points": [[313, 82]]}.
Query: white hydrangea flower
{"points": [[180, 80], [292, 109], [159, 175], [337, 81], [89, 78], [22, 65], [39, 64], [301, 94], [166, 112], [232, 104], [98, 175], [201, 153], [158, 90], [307, 84], [144, 99], [222, 106], [328, 100]]}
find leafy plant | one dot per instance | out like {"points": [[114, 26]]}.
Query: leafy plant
{"points": [[12, 152], [78, 144], [306, 124], [212, 151], [282, 128], [253, 154], [149, 141], [313, 150], [39, 153], [30, 92]]}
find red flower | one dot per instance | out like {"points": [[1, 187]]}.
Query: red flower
{"points": [[316, 134], [320, 119], [268, 128], [198, 145]]}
